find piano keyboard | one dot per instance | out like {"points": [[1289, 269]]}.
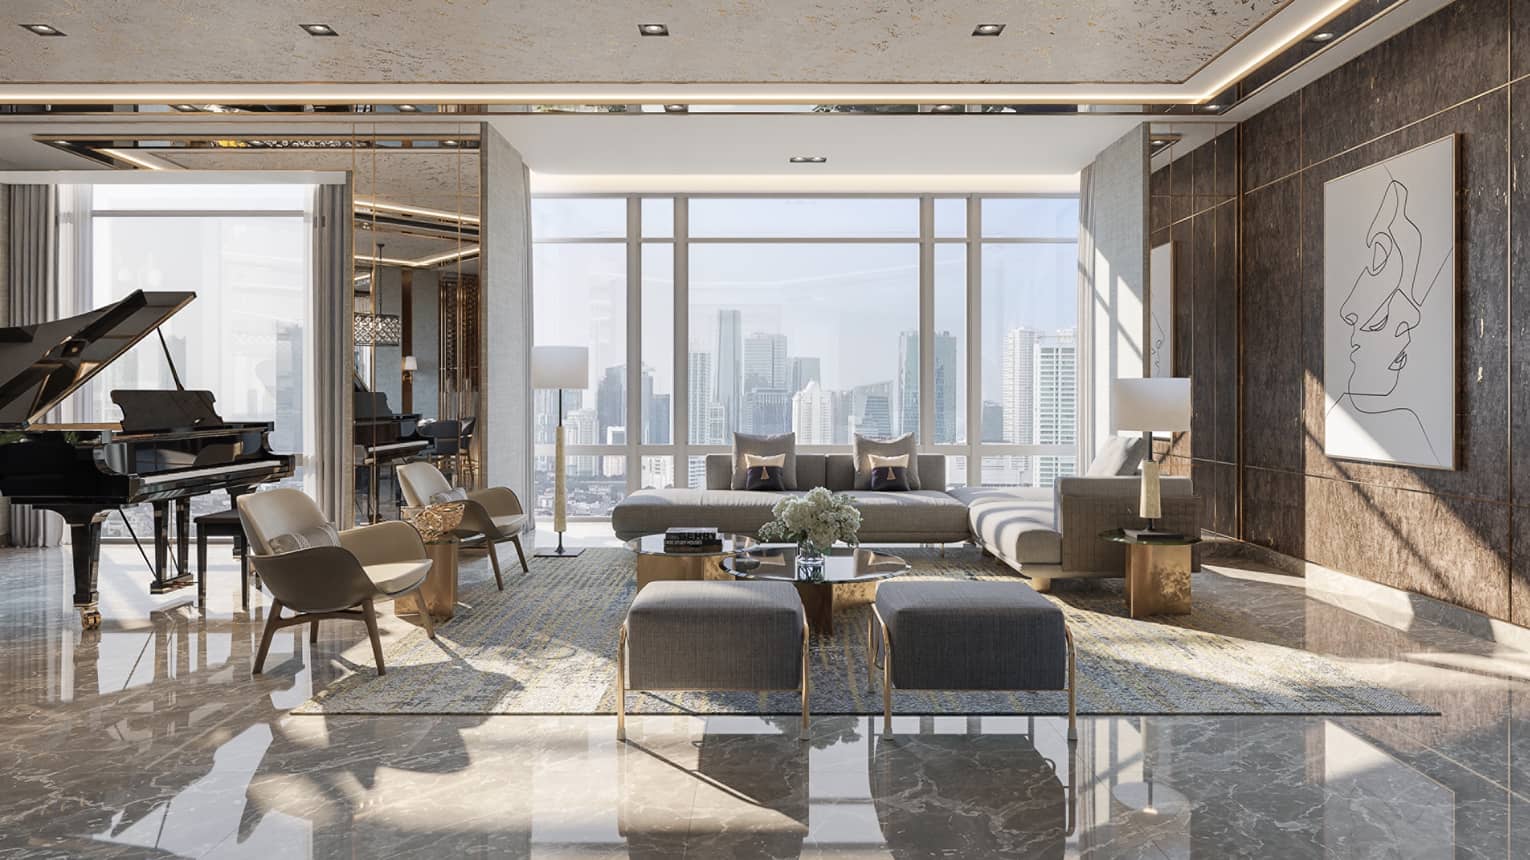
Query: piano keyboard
{"points": [[235, 469]]}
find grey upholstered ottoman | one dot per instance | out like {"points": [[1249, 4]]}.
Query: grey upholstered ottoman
{"points": [[944, 635], [711, 635]]}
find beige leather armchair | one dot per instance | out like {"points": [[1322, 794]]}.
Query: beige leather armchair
{"points": [[495, 513], [319, 582]]}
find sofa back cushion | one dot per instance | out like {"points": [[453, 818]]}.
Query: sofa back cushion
{"points": [[1119, 455], [835, 471]]}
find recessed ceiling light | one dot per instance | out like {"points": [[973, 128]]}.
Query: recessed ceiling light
{"points": [[44, 29], [653, 30], [408, 109], [1211, 107], [675, 108], [945, 108], [185, 108], [1322, 37], [987, 29], [808, 159], [319, 29]]}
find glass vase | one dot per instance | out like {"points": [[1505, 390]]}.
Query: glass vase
{"points": [[810, 561]]}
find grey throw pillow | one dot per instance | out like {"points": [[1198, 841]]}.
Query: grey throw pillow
{"points": [[764, 446], [455, 494], [320, 535], [1120, 455], [864, 448]]}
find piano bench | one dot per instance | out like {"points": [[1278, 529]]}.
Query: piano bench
{"points": [[222, 524]]}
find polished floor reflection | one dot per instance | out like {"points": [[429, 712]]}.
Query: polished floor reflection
{"points": [[151, 738]]}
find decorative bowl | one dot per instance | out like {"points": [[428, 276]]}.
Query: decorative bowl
{"points": [[435, 522]]}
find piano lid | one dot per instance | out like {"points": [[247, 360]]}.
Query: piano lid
{"points": [[42, 364]]}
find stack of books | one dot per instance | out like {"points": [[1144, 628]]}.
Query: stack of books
{"points": [[692, 539]]}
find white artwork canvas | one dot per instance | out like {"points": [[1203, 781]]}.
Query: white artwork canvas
{"points": [[1161, 310], [1389, 310]]}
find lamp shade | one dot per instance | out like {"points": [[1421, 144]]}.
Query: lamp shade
{"points": [[560, 367], [1151, 405], [411, 363]]}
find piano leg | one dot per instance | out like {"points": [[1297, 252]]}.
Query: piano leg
{"points": [[183, 536], [181, 578], [85, 535]]}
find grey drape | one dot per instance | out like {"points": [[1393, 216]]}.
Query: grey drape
{"points": [[333, 353], [31, 283]]}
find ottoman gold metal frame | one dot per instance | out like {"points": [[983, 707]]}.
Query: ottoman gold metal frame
{"points": [[621, 682], [874, 623]]}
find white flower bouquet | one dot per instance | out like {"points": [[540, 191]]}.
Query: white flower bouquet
{"points": [[814, 522]]}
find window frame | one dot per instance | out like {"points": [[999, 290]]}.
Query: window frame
{"points": [[680, 448]]}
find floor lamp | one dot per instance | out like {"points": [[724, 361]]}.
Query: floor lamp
{"points": [[1154, 405], [560, 367]]}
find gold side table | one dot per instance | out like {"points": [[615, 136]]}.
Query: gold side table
{"points": [[1157, 573], [439, 591]]}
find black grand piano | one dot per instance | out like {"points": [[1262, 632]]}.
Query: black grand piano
{"points": [[383, 439], [169, 446]]}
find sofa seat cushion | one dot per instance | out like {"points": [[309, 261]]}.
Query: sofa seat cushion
{"points": [[1018, 524], [915, 516], [648, 512]]}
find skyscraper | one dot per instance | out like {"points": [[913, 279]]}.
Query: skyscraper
{"points": [[729, 367], [656, 420], [871, 410], [947, 386], [699, 374], [1056, 411], [1018, 386], [813, 415], [611, 399], [805, 369], [765, 362]]}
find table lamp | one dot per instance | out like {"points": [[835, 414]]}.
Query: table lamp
{"points": [[560, 367], [1157, 405]]}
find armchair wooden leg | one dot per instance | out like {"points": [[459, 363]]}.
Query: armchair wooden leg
{"points": [[273, 623], [520, 551], [494, 562], [369, 612]]}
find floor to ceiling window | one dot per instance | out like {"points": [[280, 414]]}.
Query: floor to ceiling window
{"points": [[827, 316], [245, 250]]}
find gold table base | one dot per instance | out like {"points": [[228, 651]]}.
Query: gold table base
{"points": [[439, 591], [1157, 580]]}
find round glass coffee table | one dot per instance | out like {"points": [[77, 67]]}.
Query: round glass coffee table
{"points": [[654, 563], [850, 576]]}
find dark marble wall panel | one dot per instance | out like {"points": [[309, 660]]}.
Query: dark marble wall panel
{"points": [[1224, 185], [1203, 344], [1274, 505], [1224, 365], [1183, 236], [1444, 547], [1447, 534], [1160, 204], [1519, 327], [1203, 169], [1272, 324], [1458, 53], [1272, 143], [1180, 188]]}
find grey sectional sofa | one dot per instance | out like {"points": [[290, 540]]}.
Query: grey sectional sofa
{"points": [[922, 516], [1046, 533]]}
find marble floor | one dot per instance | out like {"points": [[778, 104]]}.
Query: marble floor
{"points": [[150, 737]]}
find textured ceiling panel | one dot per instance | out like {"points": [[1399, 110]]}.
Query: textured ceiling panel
{"points": [[434, 180], [590, 41]]}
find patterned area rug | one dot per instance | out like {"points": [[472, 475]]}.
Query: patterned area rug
{"points": [[547, 645]]}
